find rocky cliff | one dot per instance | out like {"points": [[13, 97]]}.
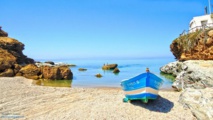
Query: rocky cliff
{"points": [[14, 63], [193, 71], [194, 46], [197, 46], [11, 55]]}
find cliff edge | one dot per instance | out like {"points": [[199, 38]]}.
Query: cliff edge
{"points": [[194, 46]]}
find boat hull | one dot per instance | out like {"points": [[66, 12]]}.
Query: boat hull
{"points": [[142, 87]]}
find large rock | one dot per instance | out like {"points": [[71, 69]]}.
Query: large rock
{"points": [[51, 73], [116, 70], [109, 66], [173, 68], [199, 101], [66, 73], [56, 73], [30, 71], [194, 46], [192, 73]]}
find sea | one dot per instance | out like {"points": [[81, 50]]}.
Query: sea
{"points": [[128, 69]]}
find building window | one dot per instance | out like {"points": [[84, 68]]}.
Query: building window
{"points": [[204, 23]]}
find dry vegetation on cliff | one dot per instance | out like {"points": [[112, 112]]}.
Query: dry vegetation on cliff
{"points": [[194, 46]]}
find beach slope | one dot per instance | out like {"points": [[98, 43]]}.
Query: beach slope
{"points": [[19, 98]]}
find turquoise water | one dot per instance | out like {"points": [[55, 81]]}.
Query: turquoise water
{"points": [[128, 68]]}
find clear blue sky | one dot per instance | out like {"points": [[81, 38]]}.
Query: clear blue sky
{"points": [[54, 29]]}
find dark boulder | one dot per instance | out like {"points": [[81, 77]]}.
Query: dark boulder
{"points": [[7, 73], [116, 70], [98, 75]]}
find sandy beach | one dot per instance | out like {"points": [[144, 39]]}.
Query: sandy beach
{"points": [[21, 99]]}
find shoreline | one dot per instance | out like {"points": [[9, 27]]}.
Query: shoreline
{"points": [[20, 97], [92, 86]]}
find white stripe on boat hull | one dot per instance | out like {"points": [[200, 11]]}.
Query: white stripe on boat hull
{"points": [[142, 90]]}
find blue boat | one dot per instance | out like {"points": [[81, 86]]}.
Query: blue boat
{"points": [[142, 87]]}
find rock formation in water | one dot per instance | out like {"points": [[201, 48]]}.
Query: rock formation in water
{"points": [[194, 46], [14, 63], [109, 66], [116, 70]]}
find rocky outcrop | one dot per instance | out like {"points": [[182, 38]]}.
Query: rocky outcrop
{"points": [[199, 101], [15, 48], [56, 73], [98, 75], [30, 71], [11, 56], [192, 73], [194, 46], [51, 73], [82, 69], [109, 66], [65, 73], [195, 79], [116, 70], [14, 62]]}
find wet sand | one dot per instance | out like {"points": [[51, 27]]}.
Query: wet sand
{"points": [[21, 99]]}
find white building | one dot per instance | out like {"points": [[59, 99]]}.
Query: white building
{"points": [[201, 22]]}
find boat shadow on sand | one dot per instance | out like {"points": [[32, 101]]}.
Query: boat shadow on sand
{"points": [[159, 105]]}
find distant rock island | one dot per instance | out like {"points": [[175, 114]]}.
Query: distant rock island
{"points": [[14, 63], [109, 66]]}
